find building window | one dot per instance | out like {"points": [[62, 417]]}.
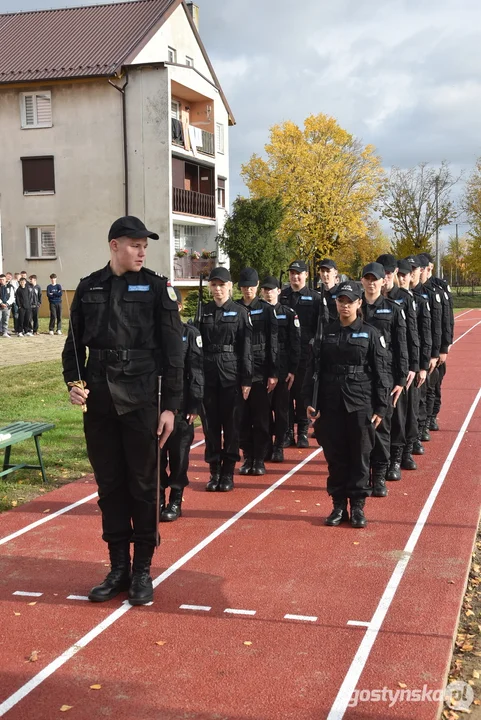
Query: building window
{"points": [[219, 138], [38, 175], [172, 55], [41, 242], [36, 110], [221, 192], [189, 61], [175, 109]]}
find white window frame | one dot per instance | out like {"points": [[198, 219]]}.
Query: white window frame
{"points": [[171, 54], [219, 138], [189, 61], [23, 111], [176, 116], [40, 228], [224, 190]]}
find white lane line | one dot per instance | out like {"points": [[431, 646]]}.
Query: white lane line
{"points": [[351, 679], [77, 597], [48, 670], [456, 317], [467, 331], [35, 524], [306, 618], [235, 611], [358, 623], [204, 608], [27, 594]]}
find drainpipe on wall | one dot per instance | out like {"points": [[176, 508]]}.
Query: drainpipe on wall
{"points": [[125, 143]]}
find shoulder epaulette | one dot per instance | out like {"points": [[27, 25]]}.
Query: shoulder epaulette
{"points": [[152, 272]]}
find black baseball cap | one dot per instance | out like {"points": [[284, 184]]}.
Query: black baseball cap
{"points": [[220, 273], [423, 261], [404, 267], [130, 226], [413, 261], [328, 263], [388, 262], [428, 256], [350, 289], [375, 269], [248, 277], [298, 266], [270, 282]]}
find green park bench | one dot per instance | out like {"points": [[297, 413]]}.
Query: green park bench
{"points": [[18, 432]]}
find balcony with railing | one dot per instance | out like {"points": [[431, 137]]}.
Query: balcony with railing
{"points": [[189, 202], [198, 139]]}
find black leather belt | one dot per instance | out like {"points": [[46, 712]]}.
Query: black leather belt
{"points": [[220, 348], [114, 356], [345, 369]]}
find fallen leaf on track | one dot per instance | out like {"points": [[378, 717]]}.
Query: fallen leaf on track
{"points": [[32, 604], [33, 656], [46, 511], [64, 708], [402, 685], [247, 642], [161, 642], [95, 687]]}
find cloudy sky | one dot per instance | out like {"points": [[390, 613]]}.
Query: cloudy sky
{"points": [[403, 75]]}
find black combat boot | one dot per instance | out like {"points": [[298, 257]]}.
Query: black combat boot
{"points": [[246, 467], [161, 500], [339, 513], [433, 423], [418, 447], [289, 438], [226, 483], [141, 590], [214, 479], [394, 472], [173, 510], [118, 579], [424, 435], [302, 439], [378, 480], [258, 467], [277, 454], [358, 519], [407, 462]]}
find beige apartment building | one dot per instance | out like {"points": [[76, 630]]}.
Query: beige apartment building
{"points": [[105, 111]]}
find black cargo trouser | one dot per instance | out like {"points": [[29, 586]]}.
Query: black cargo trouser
{"points": [[381, 453], [35, 319], [122, 450], [255, 422], [437, 391], [347, 439], [175, 454], [24, 317], [280, 411], [55, 316], [398, 421], [297, 410], [431, 382], [222, 413]]}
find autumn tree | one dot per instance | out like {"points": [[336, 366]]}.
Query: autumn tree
{"points": [[472, 200], [410, 206], [251, 236], [328, 181], [455, 259], [364, 248]]}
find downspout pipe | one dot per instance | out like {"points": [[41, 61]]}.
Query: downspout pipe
{"points": [[125, 139]]}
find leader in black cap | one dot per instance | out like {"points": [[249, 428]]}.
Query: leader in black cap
{"points": [[423, 261], [413, 261], [404, 267], [220, 273], [328, 263], [131, 227], [248, 277], [375, 269], [350, 289], [298, 266], [270, 282], [388, 262], [429, 257]]}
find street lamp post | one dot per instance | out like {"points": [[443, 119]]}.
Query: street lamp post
{"points": [[436, 200]]}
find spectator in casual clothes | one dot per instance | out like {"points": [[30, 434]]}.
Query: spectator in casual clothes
{"points": [[37, 301], [7, 298], [14, 283], [54, 294], [24, 298]]}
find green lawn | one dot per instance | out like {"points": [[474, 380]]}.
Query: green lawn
{"points": [[37, 392], [467, 301]]}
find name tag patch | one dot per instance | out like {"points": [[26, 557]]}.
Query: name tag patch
{"points": [[305, 297], [360, 335], [231, 313], [139, 288], [281, 317], [383, 311], [257, 312]]}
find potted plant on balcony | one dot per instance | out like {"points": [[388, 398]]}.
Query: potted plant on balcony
{"points": [[205, 262], [182, 264]]}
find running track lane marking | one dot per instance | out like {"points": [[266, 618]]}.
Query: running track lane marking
{"points": [[351, 679], [306, 618], [467, 331], [456, 317], [77, 597], [35, 524], [27, 594], [47, 671], [204, 608], [234, 611]]}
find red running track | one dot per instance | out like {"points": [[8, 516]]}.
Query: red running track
{"points": [[264, 552]]}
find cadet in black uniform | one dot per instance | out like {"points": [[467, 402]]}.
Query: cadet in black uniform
{"points": [[436, 305], [404, 407], [127, 317], [329, 279], [255, 421], [175, 452], [289, 342], [307, 304], [353, 397], [385, 315], [226, 332]]}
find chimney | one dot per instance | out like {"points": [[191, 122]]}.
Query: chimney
{"points": [[194, 11]]}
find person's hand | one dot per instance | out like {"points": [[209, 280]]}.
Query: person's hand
{"points": [[191, 418], [422, 377], [442, 358], [245, 391], [312, 413], [290, 380], [376, 420], [395, 393], [166, 426], [409, 381], [2, 305], [271, 383], [78, 395], [433, 363]]}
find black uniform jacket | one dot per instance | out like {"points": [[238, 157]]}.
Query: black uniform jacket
{"points": [[289, 340], [307, 304], [432, 294], [448, 312], [423, 313], [131, 325], [193, 370], [405, 300], [386, 316], [25, 298], [227, 343], [353, 370], [265, 350], [330, 299]]}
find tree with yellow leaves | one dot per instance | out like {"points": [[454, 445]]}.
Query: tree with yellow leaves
{"points": [[329, 183]]}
